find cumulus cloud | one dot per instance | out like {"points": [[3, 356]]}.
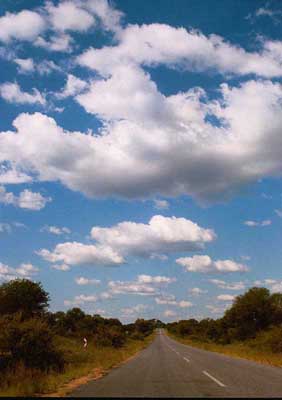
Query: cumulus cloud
{"points": [[80, 300], [169, 313], [228, 285], [250, 223], [278, 212], [160, 235], [197, 291], [225, 297], [160, 146], [161, 204], [55, 230], [150, 45], [72, 87], [144, 285], [74, 253], [206, 265], [114, 244], [25, 25], [12, 93], [60, 42], [85, 281], [26, 199], [61, 267], [139, 309], [26, 65], [168, 299], [9, 227], [24, 270], [274, 285], [67, 15]]}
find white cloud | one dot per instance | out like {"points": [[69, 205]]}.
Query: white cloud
{"points": [[156, 256], [31, 200], [228, 285], [161, 204], [80, 300], [151, 45], [55, 230], [12, 93], [8, 228], [5, 228], [26, 65], [216, 309], [108, 15], [74, 253], [160, 235], [225, 297], [274, 285], [206, 265], [72, 87], [266, 222], [24, 270], [139, 309], [169, 313], [69, 16], [26, 25], [169, 299], [26, 199], [59, 42], [61, 267], [197, 291], [144, 285], [85, 281], [201, 160], [278, 212]]}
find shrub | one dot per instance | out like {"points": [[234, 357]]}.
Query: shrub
{"points": [[30, 342]]}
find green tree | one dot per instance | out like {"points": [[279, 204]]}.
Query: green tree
{"points": [[23, 296], [250, 313]]}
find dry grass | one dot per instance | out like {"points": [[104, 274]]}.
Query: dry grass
{"points": [[247, 350], [81, 366]]}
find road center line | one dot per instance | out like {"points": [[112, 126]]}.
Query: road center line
{"points": [[186, 359], [214, 379]]}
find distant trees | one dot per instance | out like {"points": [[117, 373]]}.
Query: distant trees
{"points": [[251, 313], [28, 331]]}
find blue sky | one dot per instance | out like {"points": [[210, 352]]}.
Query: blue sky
{"points": [[140, 161]]}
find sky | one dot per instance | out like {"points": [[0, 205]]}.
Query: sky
{"points": [[141, 153]]}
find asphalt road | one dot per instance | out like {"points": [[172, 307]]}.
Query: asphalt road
{"points": [[167, 368]]}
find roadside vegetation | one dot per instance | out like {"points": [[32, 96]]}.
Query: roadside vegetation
{"points": [[41, 352], [251, 328]]}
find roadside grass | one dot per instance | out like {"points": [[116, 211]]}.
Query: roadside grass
{"points": [[92, 362], [252, 349]]}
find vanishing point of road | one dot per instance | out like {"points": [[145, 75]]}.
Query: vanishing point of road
{"points": [[167, 368]]}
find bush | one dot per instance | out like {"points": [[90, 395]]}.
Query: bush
{"points": [[30, 342]]}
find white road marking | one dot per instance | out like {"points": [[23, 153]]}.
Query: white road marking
{"points": [[186, 359], [214, 379]]}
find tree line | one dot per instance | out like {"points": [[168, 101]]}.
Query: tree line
{"points": [[256, 314], [28, 329]]}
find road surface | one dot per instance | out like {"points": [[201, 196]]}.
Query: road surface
{"points": [[167, 368]]}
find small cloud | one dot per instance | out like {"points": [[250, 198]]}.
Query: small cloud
{"points": [[278, 212], [225, 297], [265, 222], [169, 313], [161, 204], [85, 281], [55, 230], [61, 267], [197, 291]]}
